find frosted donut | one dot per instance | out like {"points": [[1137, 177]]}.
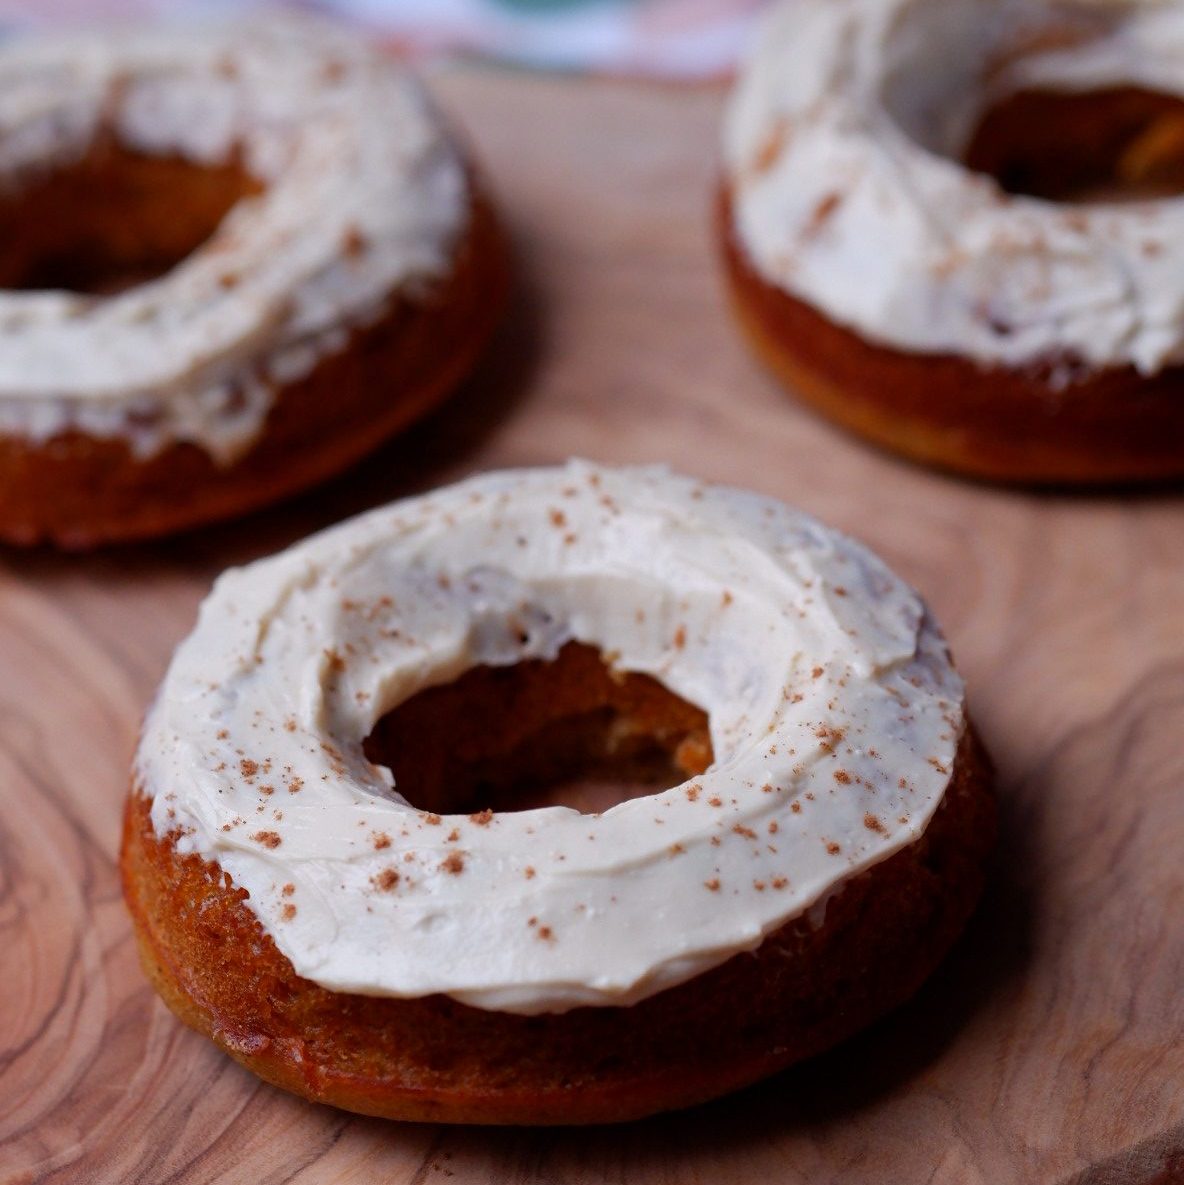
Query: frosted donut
{"points": [[280, 254], [887, 276], [407, 946]]}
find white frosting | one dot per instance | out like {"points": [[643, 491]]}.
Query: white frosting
{"points": [[842, 146], [365, 196], [834, 716]]}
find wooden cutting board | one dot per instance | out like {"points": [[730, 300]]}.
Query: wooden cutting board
{"points": [[1049, 1049]]}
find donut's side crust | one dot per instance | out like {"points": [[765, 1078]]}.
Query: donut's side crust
{"points": [[1113, 425], [78, 491], [434, 1059]]}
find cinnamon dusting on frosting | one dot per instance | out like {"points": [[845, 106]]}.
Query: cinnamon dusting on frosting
{"points": [[373, 873]]}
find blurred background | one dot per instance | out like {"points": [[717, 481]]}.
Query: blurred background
{"points": [[672, 39]]}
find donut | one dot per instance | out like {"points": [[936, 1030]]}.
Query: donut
{"points": [[952, 226], [344, 868], [239, 254]]}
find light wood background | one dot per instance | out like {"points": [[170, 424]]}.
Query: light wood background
{"points": [[1049, 1049]]}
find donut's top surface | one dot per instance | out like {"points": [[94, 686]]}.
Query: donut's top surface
{"points": [[363, 195], [843, 145], [834, 715]]}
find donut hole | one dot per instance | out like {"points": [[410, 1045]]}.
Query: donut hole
{"points": [[996, 85], [113, 218], [572, 732], [1120, 144]]}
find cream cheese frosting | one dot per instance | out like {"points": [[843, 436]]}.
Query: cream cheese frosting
{"points": [[364, 196], [842, 145], [834, 712]]}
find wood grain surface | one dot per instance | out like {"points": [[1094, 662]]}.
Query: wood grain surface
{"points": [[1050, 1047]]}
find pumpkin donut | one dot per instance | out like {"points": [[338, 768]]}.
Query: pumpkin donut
{"points": [[238, 256], [341, 870], [952, 226]]}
